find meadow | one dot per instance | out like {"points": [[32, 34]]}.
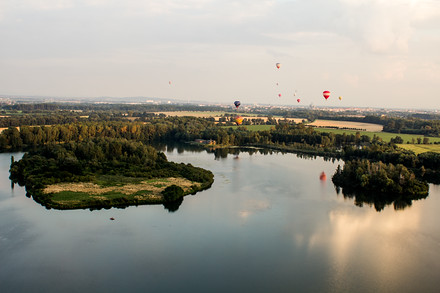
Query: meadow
{"points": [[421, 148]]}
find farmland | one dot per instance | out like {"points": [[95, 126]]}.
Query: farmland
{"points": [[421, 148], [347, 124], [386, 136]]}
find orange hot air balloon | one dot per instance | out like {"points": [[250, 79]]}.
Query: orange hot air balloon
{"points": [[238, 120], [326, 94], [323, 177], [298, 100], [278, 65]]}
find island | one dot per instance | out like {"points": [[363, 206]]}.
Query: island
{"points": [[104, 173], [379, 184]]}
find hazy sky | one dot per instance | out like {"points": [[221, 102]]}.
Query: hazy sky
{"points": [[383, 53]]}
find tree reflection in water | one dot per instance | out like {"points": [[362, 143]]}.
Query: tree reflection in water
{"points": [[377, 200]]}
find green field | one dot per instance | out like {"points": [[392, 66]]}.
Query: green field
{"points": [[386, 136], [421, 148]]}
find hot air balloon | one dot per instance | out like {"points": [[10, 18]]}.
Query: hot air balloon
{"points": [[278, 65], [298, 100], [340, 98], [169, 82], [326, 94], [323, 177], [237, 103], [294, 94], [279, 95], [238, 120]]}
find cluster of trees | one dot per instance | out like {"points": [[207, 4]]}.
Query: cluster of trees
{"points": [[87, 160], [413, 126], [159, 129], [379, 184]]}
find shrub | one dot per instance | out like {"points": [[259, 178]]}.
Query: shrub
{"points": [[172, 193]]}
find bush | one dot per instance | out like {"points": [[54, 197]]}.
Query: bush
{"points": [[172, 193]]}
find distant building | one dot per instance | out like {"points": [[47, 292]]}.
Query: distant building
{"points": [[205, 141]]}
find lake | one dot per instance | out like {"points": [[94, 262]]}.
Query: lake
{"points": [[267, 224]]}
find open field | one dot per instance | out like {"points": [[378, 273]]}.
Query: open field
{"points": [[421, 148], [386, 136], [347, 124], [148, 190]]}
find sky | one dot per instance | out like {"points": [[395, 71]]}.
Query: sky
{"points": [[372, 53]]}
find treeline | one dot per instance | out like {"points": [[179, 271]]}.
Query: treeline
{"points": [[107, 107], [284, 136], [175, 128], [413, 126], [379, 184]]}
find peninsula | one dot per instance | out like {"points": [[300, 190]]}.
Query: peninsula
{"points": [[104, 173]]}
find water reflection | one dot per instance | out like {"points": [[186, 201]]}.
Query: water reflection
{"points": [[378, 201]]}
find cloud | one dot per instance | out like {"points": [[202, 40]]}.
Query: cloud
{"points": [[386, 26]]}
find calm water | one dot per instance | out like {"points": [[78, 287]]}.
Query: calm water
{"points": [[268, 224]]}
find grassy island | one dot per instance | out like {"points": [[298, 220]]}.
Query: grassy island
{"points": [[104, 173]]}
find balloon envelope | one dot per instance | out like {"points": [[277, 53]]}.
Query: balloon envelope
{"points": [[237, 103], [340, 98], [323, 177], [278, 65], [238, 120], [298, 100], [279, 95], [326, 94]]}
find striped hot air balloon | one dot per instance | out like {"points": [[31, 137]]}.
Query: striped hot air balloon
{"points": [[238, 120]]}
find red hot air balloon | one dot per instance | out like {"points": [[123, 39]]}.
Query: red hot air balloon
{"points": [[278, 65], [298, 100], [326, 94], [279, 95], [323, 177]]}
